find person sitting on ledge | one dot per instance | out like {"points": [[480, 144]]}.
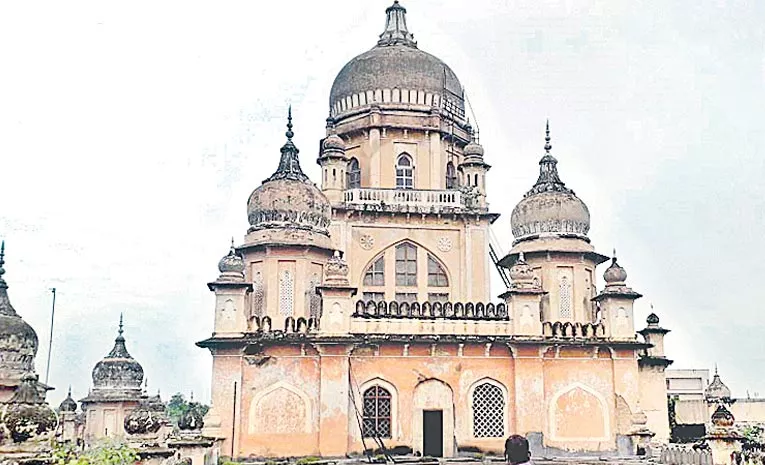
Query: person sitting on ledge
{"points": [[517, 450]]}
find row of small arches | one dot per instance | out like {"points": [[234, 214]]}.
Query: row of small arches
{"points": [[415, 97], [572, 329], [448, 310], [291, 324]]}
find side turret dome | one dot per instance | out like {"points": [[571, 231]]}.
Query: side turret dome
{"points": [[549, 208], [717, 390], [118, 370], [288, 207], [68, 404], [395, 63], [231, 266], [18, 341]]}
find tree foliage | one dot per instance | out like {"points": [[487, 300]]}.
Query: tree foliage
{"points": [[178, 405], [103, 453]]}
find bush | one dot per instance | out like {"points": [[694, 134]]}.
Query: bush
{"points": [[107, 452]]}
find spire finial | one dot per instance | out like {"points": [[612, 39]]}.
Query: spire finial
{"points": [[289, 132], [120, 331], [547, 138], [716, 374], [395, 27], [2, 259], [69, 393]]}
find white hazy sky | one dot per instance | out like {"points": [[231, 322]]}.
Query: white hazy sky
{"points": [[131, 135]]}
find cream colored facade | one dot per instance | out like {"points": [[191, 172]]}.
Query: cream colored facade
{"points": [[357, 315]]}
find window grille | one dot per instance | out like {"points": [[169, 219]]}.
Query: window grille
{"points": [[404, 172], [565, 297], [312, 298], [441, 297], [354, 174], [375, 275], [436, 274], [374, 296], [376, 418], [406, 265], [257, 295], [488, 411], [286, 297], [408, 297]]}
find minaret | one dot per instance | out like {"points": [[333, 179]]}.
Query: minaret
{"points": [[231, 292], [616, 302], [652, 378], [474, 170], [334, 165], [524, 299]]}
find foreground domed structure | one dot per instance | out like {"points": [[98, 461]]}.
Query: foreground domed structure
{"points": [[18, 340]]}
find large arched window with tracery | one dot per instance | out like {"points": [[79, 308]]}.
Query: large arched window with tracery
{"points": [[354, 174], [406, 264], [488, 411], [376, 417], [404, 172]]}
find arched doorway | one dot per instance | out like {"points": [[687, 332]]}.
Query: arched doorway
{"points": [[433, 419]]}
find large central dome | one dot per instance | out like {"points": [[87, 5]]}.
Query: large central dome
{"points": [[395, 71]]}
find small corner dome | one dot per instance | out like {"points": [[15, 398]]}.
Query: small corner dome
{"points": [[717, 389], [68, 404], [395, 63], [231, 263], [615, 274], [333, 142], [653, 319], [473, 149]]}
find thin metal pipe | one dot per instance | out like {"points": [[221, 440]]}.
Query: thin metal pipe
{"points": [[50, 340]]}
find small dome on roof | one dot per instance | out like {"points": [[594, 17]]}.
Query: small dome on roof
{"points": [[615, 274], [652, 320], [68, 404], [232, 264], [717, 390], [118, 370], [549, 208]]}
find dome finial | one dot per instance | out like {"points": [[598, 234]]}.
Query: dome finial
{"points": [[289, 132], [548, 147], [395, 27], [548, 180], [289, 163], [120, 331]]}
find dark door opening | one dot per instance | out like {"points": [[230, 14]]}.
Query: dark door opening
{"points": [[433, 433]]}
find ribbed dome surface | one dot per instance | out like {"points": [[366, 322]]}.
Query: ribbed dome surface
{"points": [[397, 63], [118, 370], [549, 208]]}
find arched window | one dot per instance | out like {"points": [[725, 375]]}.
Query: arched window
{"points": [[406, 265], [375, 274], [354, 174], [564, 289], [475, 180], [286, 297], [436, 273], [376, 418], [257, 295], [488, 411], [312, 298], [404, 172], [451, 176]]}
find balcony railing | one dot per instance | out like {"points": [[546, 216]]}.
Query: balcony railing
{"points": [[404, 198]]}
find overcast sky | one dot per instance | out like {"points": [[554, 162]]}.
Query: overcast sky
{"points": [[131, 135]]}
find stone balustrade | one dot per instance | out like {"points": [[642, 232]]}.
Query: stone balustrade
{"points": [[404, 199], [427, 310]]}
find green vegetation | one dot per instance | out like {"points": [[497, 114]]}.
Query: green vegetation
{"points": [[103, 453], [178, 405], [307, 460]]}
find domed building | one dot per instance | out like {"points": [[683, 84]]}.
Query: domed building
{"points": [[357, 314], [116, 391]]}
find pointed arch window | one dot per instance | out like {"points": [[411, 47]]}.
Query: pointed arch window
{"points": [[404, 172], [375, 274], [376, 418], [354, 174], [488, 411], [451, 176], [436, 273], [406, 265], [564, 289]]}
